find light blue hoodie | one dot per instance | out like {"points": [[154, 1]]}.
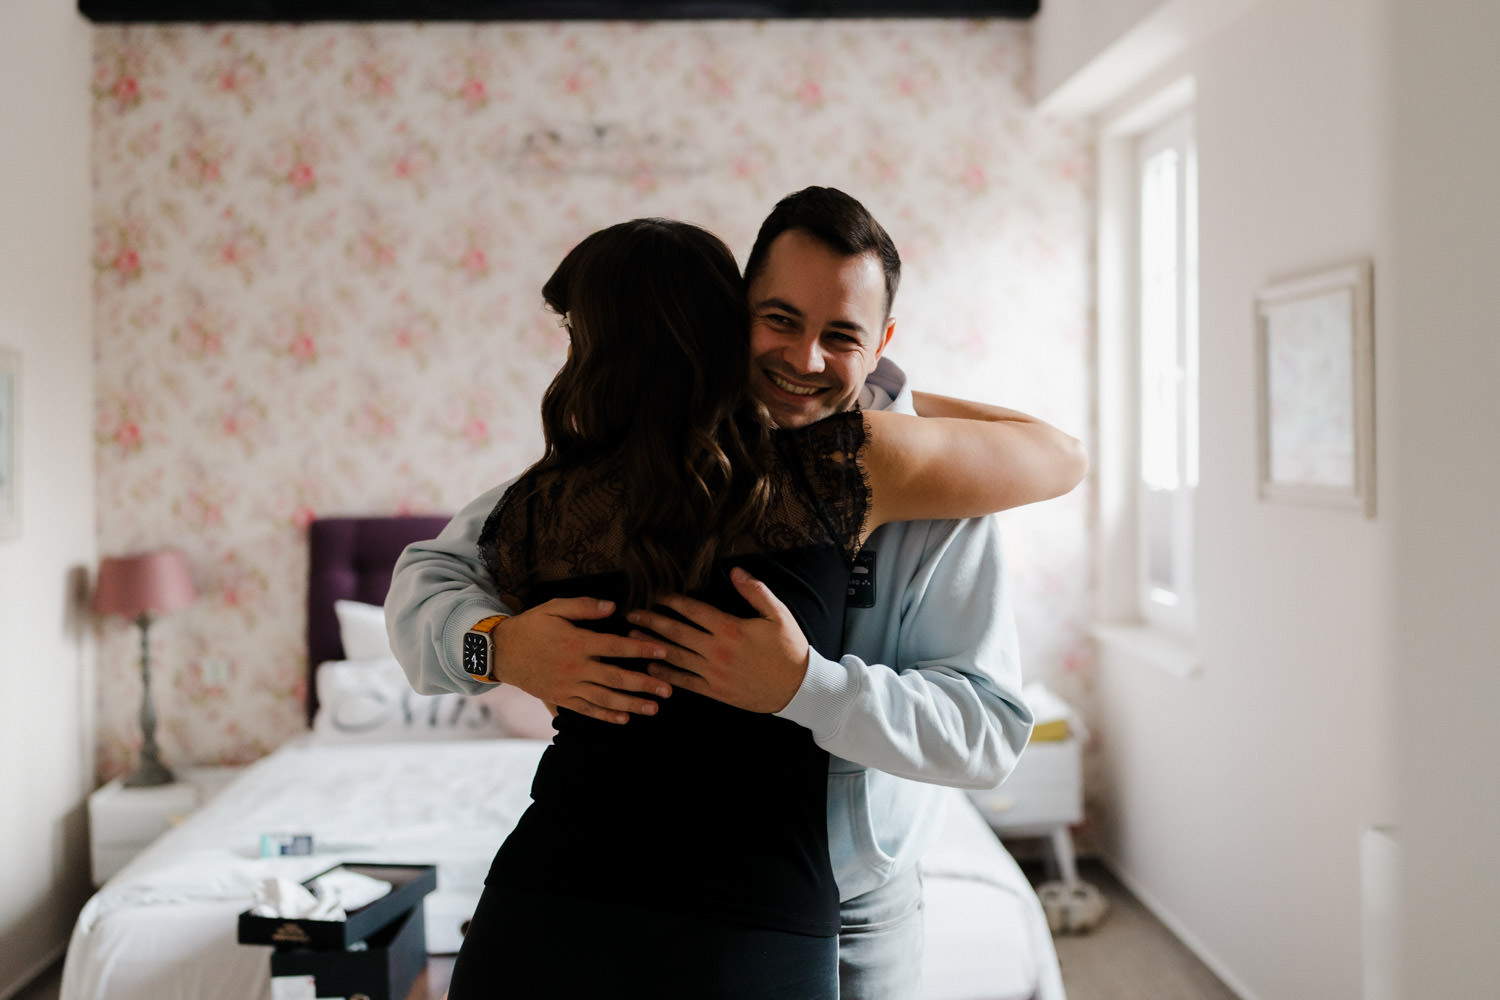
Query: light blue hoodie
{"points": [[947, 712]]}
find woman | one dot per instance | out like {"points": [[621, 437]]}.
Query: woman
{"points": [[685, 853]]}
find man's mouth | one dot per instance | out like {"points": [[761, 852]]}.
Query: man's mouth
{"points": [[792, 387]]}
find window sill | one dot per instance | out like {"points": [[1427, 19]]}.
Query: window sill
{"points": [[1173, 654]]}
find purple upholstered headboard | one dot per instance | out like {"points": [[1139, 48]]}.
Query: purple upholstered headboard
{"points": [[351, 558]]}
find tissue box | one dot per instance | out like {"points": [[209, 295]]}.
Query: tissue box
{"points": [[395, 955], [409, 884]]}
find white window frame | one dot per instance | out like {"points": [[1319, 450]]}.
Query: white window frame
{"points": [[1175, 608], [1161, 633]]}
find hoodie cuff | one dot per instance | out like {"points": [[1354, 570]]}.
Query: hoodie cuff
{"points": [[463, 618], [825, 696]]}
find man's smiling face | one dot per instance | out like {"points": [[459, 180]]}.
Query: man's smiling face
{"points": [[817, 328]]}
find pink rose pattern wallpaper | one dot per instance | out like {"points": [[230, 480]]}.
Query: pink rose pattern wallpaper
{"points": [[319, 252]]}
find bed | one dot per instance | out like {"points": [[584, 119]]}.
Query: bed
{"points": [[385, 775]]}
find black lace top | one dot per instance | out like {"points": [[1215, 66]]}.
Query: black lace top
{"points": [[701, 808]]}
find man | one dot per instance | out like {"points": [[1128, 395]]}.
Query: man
{"points": [[928, 600]]}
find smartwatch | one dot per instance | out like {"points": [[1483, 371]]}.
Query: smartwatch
{"points": [[479, 648]]}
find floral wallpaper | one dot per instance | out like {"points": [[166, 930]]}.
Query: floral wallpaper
{"points": [[319, 252]]}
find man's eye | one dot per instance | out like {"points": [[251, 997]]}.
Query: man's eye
{"points": [[845, 339], [778, 319]]}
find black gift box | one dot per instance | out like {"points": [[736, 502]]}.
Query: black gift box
{"points": [[385, 970], [409, 884]]}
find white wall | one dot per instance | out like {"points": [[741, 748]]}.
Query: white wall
{"points": [[1446, 154], [1069, 35], [1088, 51], [46, 713], [1233, 801]]}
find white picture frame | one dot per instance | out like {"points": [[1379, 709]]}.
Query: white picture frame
{"points": [[1315, 359], [10, 443]]}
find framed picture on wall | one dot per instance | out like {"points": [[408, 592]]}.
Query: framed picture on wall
{"points": [[10, 442], [1315, 354]]}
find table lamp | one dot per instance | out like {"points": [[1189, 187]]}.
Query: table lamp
{"points": [[143, 587]]}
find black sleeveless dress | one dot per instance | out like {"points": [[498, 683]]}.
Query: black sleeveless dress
{"points": [[702, 830]]}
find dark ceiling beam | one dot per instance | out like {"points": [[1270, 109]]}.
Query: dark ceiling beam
{"points": [[282, 11]]}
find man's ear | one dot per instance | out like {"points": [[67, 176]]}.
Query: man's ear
{"points": [[885, 336]]}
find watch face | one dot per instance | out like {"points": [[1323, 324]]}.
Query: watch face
{"points": [[475, 660]]}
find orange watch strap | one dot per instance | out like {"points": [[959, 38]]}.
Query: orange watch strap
{"points": [[487, 625]]}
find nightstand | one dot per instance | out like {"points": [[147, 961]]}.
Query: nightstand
{"points": [[123, 821], [1043, 797]]}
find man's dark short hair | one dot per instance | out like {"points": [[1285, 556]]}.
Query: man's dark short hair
{"points": [[834, 219]]}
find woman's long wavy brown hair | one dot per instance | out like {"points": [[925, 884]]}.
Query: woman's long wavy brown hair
{"points": [[655, 388]]}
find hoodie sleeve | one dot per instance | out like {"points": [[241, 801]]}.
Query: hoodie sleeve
{"points": [[439, 590]]}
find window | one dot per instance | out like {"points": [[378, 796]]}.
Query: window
{"points": [[1146, 458], [1167, 358]]}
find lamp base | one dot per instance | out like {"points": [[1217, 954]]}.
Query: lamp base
{"points": [[150, 771]]}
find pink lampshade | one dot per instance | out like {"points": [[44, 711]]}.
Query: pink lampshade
{"points": [[152, 582]]}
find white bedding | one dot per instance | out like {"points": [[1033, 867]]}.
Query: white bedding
{"points": [[164, 927], [986, 932]]}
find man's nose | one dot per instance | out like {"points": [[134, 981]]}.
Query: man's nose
{"points": [[805, 354]]}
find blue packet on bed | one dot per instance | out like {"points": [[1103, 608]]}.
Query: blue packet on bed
{"points": [[274, 845]]}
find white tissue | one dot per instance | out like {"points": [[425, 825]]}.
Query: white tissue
{"points": [[350, 889], [281, 897], [331, 897]]}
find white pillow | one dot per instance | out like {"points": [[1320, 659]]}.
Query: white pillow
{"points": [[362, 630], [371, 700]]}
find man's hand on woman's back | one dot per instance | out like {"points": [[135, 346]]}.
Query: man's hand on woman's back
{"points": [[542, 652]]}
